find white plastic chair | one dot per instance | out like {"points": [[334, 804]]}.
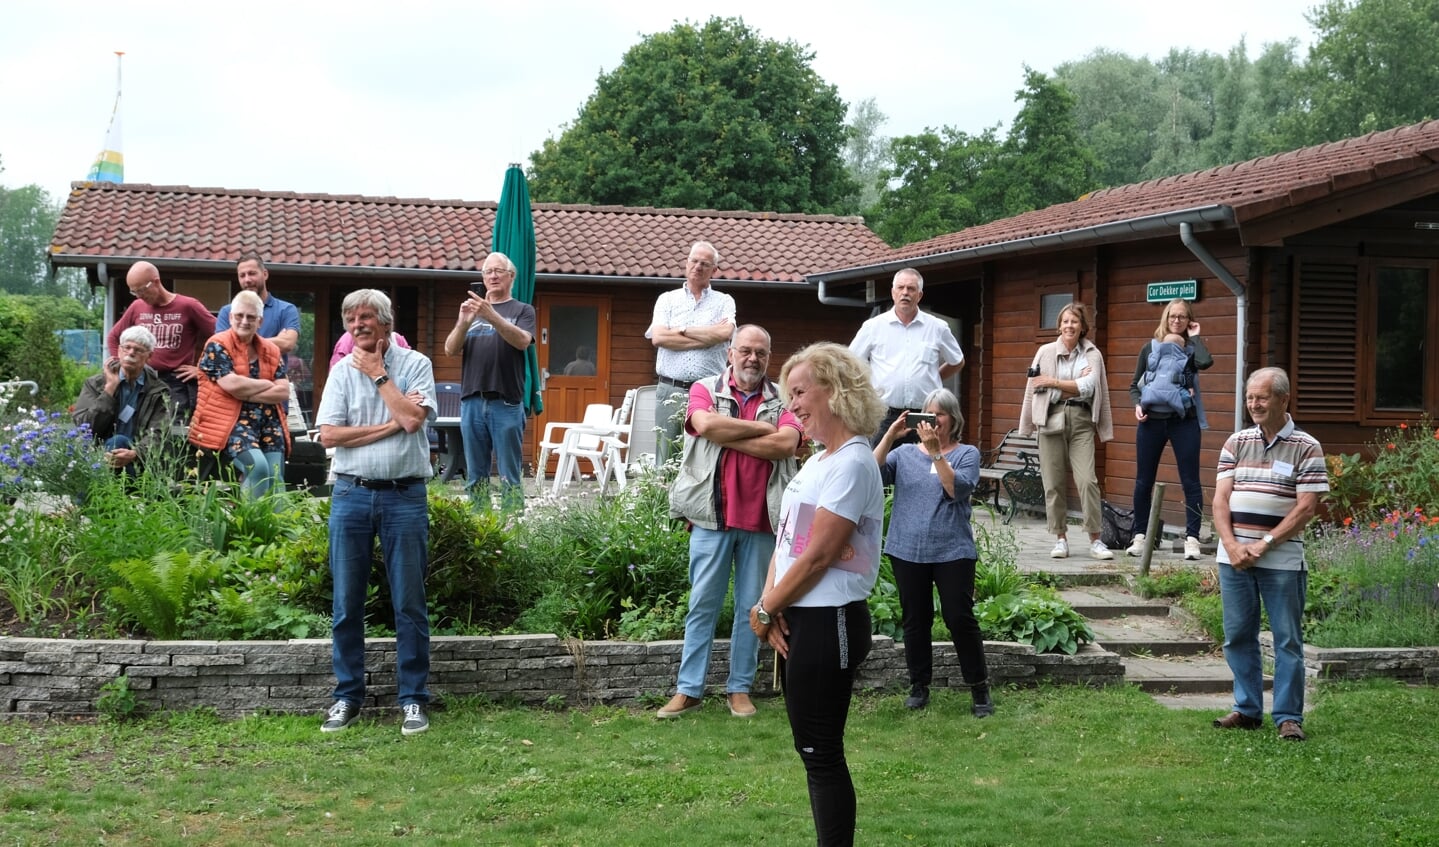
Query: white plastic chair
{"points": [[617, 442], [569, 448]]}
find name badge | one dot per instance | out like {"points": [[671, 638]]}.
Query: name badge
{"points": [[126, 414], [1283, 469]]}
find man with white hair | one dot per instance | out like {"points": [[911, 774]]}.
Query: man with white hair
{"points": [[691, 331], [909, 353], [126, 404]]}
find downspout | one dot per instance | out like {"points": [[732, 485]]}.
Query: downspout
{"points": [[830, 300], [102, 273], [1186, 235]]}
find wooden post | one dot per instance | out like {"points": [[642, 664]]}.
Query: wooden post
{"points": [[1151, 535]]}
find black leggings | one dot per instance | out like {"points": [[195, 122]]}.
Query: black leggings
{"points": [[826, 646], [955, 581]]}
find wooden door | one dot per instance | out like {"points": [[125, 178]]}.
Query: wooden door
{"points": [[573, 343]]}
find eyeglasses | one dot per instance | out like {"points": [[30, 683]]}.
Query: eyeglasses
{"points": [[495, 272], [702, 264], [236, 317], [134, 349], [745, 353], [142, 289]]}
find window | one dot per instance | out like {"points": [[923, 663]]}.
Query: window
{"points": [[1360, 341], [1049, 308]]}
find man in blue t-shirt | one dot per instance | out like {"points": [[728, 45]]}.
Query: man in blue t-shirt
{"points": [[281, 321], [493, 332]]}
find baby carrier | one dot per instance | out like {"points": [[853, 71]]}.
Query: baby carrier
{"points": [[1167, 381]]}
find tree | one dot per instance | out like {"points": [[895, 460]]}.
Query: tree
{"points": [[27, 223], [1046, 161], [710, 116], [945, 181], [1371, 67], [866, 152], [1117, 109]]}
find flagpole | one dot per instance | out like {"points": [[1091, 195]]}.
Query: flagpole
{"points": [[109, 166]]}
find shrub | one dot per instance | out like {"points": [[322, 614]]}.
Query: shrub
{"points": [[1035, 616], [160, 593], [1375, 585], [593, 556], [1398, 471]]}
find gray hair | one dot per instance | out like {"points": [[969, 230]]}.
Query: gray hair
{"points": [[918, 280], [1278, 380], [251, 299], [944, 400], [139, 335], [376, 300], [704, 245], [509, 266]]}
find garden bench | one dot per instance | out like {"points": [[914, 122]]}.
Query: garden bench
{"points": [[1013, 468]]}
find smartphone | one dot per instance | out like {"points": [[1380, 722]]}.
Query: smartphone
{"points": [[478, 288], [113, 365], [914, 419], [1034, 371]]}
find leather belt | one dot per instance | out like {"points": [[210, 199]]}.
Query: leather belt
{"points": [[677, 383], [1083, 404], [382, 484]]}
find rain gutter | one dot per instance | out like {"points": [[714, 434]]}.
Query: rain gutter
{"points": [[1186, 235]]}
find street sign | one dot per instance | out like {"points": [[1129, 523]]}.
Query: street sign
{"points": [[1163, 292]]}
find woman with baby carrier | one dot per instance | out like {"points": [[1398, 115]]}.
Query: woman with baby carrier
{"points": [[1157, 389]]}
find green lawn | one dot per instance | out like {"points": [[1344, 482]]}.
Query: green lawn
{"points": [[1057, 766]]}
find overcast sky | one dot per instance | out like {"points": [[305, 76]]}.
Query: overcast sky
{"points": [[434, 99]]}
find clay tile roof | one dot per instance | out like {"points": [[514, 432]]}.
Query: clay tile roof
{"points": [[1253, 189], [103, 222]]}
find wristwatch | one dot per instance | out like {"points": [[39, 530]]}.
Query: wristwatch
{"points": [[937, 458], [1268, 541], [761, 614], [381, 380]]}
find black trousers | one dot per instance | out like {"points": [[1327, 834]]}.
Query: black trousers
{"points": [[826, 646], [916, 582]]}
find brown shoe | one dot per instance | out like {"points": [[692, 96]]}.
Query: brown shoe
{"points": [[740, 705], [1291, 731], [678, 705], [1238, 720]]}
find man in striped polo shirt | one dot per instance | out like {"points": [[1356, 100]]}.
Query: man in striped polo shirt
{"points": [[1269, 482]]}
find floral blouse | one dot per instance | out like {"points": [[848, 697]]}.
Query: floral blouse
{"points": [[259, 424]]}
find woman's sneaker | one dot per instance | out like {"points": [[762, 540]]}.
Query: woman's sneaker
{"points": [[1097, 550], [1191, 548], [1136, 547], [1061, 550]]}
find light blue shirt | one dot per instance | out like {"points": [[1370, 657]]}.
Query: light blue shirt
{"points": [[351, 399]]}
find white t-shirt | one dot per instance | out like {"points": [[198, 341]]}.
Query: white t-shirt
{"points": [[844, 482]]}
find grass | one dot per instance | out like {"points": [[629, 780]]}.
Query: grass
{"points": [[1090, 767]]}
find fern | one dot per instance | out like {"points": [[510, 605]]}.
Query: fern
{"points": [[158, 593]]}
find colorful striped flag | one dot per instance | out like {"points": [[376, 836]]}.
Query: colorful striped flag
{"points": [[109, 166]]}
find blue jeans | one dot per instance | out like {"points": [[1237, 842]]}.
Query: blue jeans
{"points": [[1184, 435], [711, 552], [493, 427], [1283, 595], [402, 521]]}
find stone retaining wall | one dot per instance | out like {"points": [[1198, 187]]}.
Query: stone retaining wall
{"points": [[52, 676], [1407, 664]]}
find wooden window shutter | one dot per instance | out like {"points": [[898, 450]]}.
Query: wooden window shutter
{"points": [[1326, 379]]}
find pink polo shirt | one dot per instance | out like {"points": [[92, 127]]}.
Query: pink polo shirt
{"points": [[743, 478]]}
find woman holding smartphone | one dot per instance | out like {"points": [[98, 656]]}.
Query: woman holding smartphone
{"points": [[931, 542]]}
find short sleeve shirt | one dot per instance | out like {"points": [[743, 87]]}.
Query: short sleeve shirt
{"points": [[179, 327], [904, 360], [491, 364], [844, 482], [1267, 480], [678, 309], [351, 399]]}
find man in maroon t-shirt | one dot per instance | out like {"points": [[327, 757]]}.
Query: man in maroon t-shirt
{"points": [[739, 450], [181, 326]]}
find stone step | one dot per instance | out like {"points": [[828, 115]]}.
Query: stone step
{"points": [[1152, 649], [1181, 675]]}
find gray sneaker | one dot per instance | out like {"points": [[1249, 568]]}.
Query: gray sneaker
{"points": [[415, 720], [341, 715]]}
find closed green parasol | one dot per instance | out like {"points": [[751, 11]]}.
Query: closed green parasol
{"points": [[514, 236]]}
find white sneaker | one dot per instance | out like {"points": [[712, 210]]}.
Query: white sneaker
{"points": [[1136, 547], [1061, 550], [1097, 550], [1191, 548]]}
